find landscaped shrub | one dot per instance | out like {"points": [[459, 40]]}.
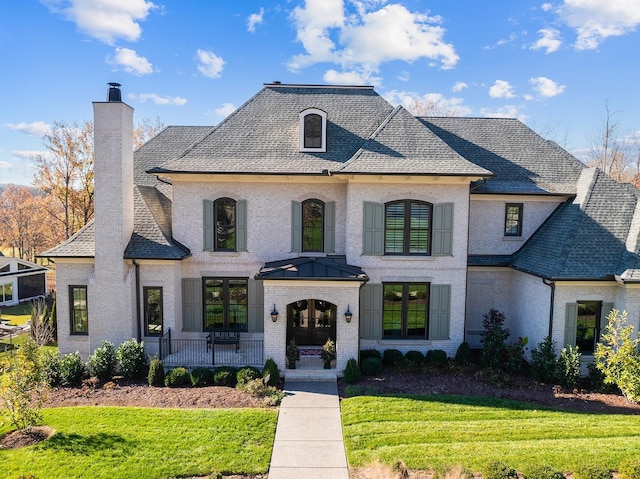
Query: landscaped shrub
{"points": [[592, 471], [544, 472], [102, 363], [544, 361], [436, 358], [270, 395], [494, 340], [391, 357], [371, 366], [50, 362], [415, 357], [132, 358], [156, 373], [629, 469], [177, 377], [271, 370], [224, 376], [463, 354], [370, 353], [72, 369], [352, 374], [514, 362], [569, 367], [201, 377], [498, 470], [246, 374]]}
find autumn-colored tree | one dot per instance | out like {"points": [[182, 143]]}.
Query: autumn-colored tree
{"points": [[430, 108], [146, 130]]}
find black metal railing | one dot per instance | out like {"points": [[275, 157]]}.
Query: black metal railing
{"points": [[199, 352]]}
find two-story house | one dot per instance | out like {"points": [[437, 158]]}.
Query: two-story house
{"points": [[317, 212]]}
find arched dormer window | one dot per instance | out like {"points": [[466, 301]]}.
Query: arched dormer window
{"points": [[313, 130]]}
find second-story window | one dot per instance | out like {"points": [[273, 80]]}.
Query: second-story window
{"points": [[513, 219], [312, 226], [407, 228], [224, 210], [313, 130]]}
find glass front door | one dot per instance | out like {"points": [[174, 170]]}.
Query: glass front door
{"points": [[311, 322]]}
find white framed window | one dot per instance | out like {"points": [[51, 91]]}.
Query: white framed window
{"points": [[313, 130]]}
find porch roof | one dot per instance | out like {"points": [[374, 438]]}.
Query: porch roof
{"points": [[305, 268]]}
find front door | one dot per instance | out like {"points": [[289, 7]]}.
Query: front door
{"points": [[311, 322]]}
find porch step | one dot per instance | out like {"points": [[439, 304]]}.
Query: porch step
{"points": [[311, 374]]}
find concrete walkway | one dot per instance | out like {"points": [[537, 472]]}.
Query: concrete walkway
{"points": [[308, 441]]}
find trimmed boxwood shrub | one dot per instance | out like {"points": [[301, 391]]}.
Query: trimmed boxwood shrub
{"points": [[72, 369], [224, 376], [246, 374], [415, 357], [352, 374], [544, 472], [592, 471], [271, 369], [463, 354], [630, 469], [391, 357], [132, 358], [102, 363], [201, 377], [437, 358], [370, 353], [156, 373], [51, 367], [371, 366], [177, 377]]}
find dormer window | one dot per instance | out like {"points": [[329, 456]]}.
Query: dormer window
{"points": [[313, 130]]}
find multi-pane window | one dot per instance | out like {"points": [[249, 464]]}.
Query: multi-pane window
{"points": [[405, 310], [6, 292], [312, 226], [407, 227], [152, 311], [78, 309], [513, 219], [313, 131], [224, 217], [225, 304], [588, 325]]}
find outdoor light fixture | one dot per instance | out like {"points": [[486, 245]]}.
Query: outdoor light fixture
{"points": [[348, 315], [274, 313]]}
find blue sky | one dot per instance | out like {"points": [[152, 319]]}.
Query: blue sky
{"points": [[191, 62]]}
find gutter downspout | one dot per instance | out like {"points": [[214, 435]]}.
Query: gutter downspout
{"points": [[138, 313], [552, 285]]}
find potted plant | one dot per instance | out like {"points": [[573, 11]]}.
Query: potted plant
{"points": [[293, 353], [328, 353]]}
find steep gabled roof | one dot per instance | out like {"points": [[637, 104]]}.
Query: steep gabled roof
{"points": [[521, 160], [80, 245]]}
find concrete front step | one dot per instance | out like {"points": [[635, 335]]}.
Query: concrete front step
{"points": [[311, 374]]}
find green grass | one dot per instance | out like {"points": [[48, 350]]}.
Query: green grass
{"points": [[17, 315], [437, 432], [140, 443]]}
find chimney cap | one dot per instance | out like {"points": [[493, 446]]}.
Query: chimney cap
{"points": [[114, 94]]}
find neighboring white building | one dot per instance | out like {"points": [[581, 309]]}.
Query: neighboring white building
{"points": [[311, 201], [20, 280]]}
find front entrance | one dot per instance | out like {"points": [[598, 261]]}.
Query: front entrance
{"points": [[311, 322]]}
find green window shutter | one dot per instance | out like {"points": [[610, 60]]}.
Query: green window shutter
{"points": [[256, 306], [570, 324], [371, 311], [191, 304], [207, 219], [330, 227], [241, 225], [373, 228], [606, 309], [442, 229], [296, 226], [439, 311]]}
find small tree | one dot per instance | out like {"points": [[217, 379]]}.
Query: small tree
{"points": [[569, 367], [22, 387], [544, 362], [617, 356], [494, 348], [41, 327]]}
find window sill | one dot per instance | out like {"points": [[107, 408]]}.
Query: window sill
{"points": [[224, 253], [387, 257], [404, 342], [513, 238]]}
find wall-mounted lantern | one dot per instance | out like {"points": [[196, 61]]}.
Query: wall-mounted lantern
{"points": [[274, 313], [348, 315]]}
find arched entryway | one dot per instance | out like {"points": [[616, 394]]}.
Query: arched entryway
{"points": [[311, 322]]}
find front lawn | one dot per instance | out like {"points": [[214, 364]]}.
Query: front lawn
{"points": [[17, 315], [437, 432], [110, 442]]}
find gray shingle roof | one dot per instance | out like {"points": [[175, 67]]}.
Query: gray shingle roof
{"points": [[80, 245], [522, 161], [333, 268]]}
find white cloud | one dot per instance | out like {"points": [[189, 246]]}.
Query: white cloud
{"points": [[506, 111], [225, 110], [549, 40], [501, 89], [595, 20], [363, 40], [105, 20], [501, 42], [255, 19], [211, 65], [404, 76], [437, 103], [459, 86], [546, 87], [157, 99], [35, 128], [131, 62], [546, 7], [350, 78]]}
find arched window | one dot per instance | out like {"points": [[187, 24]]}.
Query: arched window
{"points": [[313, 130], [312, 226], [407, 228], [224, 217]]}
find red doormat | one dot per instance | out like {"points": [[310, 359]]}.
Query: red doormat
{"points": [[310, 351]]}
